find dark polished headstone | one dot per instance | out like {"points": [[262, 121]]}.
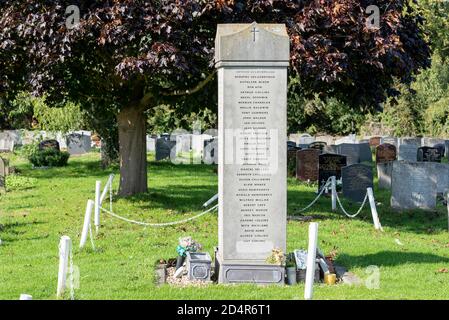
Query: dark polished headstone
{"points": [[385, 152], [163, 148], [356, 179], [429, 154], [49, 144], [329, 165], [307, 164], [365, 154]]}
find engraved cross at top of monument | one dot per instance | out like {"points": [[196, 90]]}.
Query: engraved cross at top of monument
{"points": [[254, 31]]}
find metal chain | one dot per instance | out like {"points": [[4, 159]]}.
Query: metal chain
{"points": [[158, 224], [319, 195], [110, 194], [358, 212]]}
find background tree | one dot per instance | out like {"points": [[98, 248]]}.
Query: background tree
{"points": [[125, 57]]}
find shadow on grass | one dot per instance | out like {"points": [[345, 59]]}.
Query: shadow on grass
{"points": [[389, 258], [10, 232]]}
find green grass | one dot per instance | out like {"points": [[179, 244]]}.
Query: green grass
{"points": [[33, 219]]}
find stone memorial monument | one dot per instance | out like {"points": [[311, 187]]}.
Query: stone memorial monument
{"points": [[252, 62]]}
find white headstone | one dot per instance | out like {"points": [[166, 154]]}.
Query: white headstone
{"points": [[252, 62]]}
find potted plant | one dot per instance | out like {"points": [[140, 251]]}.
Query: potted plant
{"points": [[290, 268]]}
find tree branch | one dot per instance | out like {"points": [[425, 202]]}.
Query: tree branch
{"points": [[200, 86]]}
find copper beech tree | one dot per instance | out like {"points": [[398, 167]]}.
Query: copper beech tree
{"points": [[125, 57]]}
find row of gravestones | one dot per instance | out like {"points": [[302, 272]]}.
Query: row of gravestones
{"points": [[166, 148], [78, 142], [414, 185], [312, 165], [388, 152]]}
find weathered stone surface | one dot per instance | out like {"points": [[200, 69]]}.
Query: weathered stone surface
{"points": [[307, 164], [408, 149], [351, 151], [440, 172], [356, 179], [385, 153], [384, 171], [78, 143], [252, 62], [3, 166], [412, 187], [329, 165]]}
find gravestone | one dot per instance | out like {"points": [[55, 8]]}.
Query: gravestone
{"points": [[164, 148], [210, 155], [151, 143], [252, 62], [78, 143], [329, 165], [328, 139], [441, 149], [307, 164], [319, 145], [351, 151], [385, 152], [384, 171], [6, 145], [3, 170], [440, 172], [408, 149], [350, 139], [374, 141], [429, 154], [412, 187], [365, 154], [356, 178], [305, 139], [49, 144], [390, 140]]}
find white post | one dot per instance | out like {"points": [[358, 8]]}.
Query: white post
{"points": [[208, 202], [334, 193], [372, 204], [97, 205], [25, 296], [106, 187], [311, 260], [87, 219], [65, 245]]}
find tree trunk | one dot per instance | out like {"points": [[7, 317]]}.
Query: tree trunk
{"points": [[133, 152]]}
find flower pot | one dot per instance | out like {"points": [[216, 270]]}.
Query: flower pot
{"points": [[291, 275]]}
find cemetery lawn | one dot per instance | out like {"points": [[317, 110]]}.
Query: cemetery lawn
{"points": [[412, 253]]}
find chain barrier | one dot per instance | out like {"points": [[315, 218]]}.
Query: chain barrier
{"points": [[318, 196], [348, 214], [146, 224]]}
